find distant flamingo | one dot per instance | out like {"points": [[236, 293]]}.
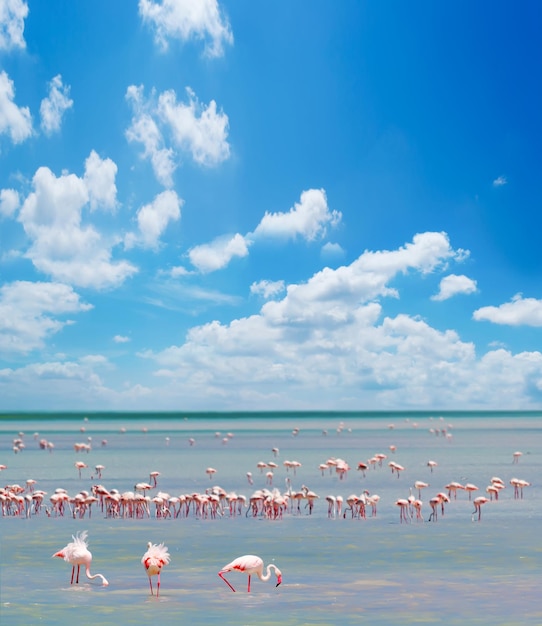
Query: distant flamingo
{"points": [[516, 457], [478, 502], [210, 471], [80, 465], [77, 553], [419, 485], [153, 561], [403, 503], [470, 488], [250, 564]]}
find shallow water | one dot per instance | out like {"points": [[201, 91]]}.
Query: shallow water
{"points": [[341, 570]]}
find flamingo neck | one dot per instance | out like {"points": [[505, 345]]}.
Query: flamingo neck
{"points": [[92, 576], [267, 576]]}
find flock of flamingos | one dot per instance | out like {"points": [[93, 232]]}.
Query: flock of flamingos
{"points": [[146, 501]]}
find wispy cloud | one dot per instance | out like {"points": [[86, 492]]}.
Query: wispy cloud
{"points": [[14, 121], [12, 16], [500, 181], [55, 105]]}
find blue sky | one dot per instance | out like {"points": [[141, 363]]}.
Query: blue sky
{"points": [[249, 206]]}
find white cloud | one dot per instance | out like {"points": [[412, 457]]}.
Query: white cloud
{"points": [[154, 218], [61, 245], [267, 288], [199, 130], [325, 341], [121, 339], [14, 121], [29, 312], [9, 202], [453, 285], [55, 105], [216, 255], [144, 130], [500, 181], [99, 178], [185, 20], [308, 219], [192, 128], [332, 250], [519, 312], [12, 16]]}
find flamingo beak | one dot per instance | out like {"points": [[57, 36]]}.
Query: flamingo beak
{"points": [[59, 554], [279, 580]]}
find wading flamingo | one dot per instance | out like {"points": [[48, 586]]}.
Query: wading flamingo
{"points": [[153, 561], [478, 502], [250, 564], [77, 553]]}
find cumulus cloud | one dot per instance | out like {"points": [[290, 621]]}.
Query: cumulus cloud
{"points": [[309, 219], [453, 285], [9, 202], [144, 130], [12, 16], [99, 178], [325, 334], [62, 246], [14, 121], [167, 129], [185, 20], [267, 288], [29, 313], [519, 311], [200, 130], [217, 254], [154, 218], [55, 105]]}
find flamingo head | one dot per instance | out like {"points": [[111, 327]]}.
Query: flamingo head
{"points": [[279, 578], [59, 554]]}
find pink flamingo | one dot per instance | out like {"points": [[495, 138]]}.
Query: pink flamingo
{"points": [[77, 553], [250, 564], [153, 561], [80, 465], [478, 502], [419, 485], [403, 503], [470, 488]]}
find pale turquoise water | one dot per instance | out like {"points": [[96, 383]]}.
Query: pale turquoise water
{"points": [[335, 571]]}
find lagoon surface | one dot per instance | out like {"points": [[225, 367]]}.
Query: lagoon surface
{"points": [[336, 570]]}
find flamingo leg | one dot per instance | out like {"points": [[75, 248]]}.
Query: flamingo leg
{"points": [[78, 570], [158, 586], [150, 583], [226, 581], [73, 572], [249, 583]]}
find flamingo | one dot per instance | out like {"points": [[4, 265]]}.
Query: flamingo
{"points": [[80, 465], [77, 553], [250, 564], [153, 561], [478, 502]]}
